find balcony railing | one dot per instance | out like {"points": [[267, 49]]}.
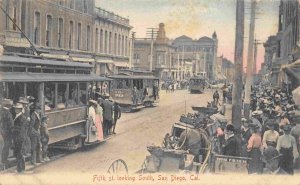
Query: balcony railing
{"points": [[111, 16]]}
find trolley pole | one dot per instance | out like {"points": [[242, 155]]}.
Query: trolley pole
{"points": [[238, 61], [249, 77]]}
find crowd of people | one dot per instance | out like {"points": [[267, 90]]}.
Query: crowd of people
{"points": [[270, 137], [23, 129]]}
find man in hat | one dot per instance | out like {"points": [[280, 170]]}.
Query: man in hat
{"points": [[231, 146], [6, 126], [134, 95], [287, 146], [270, 136], [108, 116], [44, 137], [34, 134], [271, 159], [26, 110], [253, 148], [19, 133], [117, 115], [246, 134], [216, 96]]}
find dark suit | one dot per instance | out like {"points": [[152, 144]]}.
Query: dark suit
{"points": [[6, 126], [231, 146], [35, 138], [19, 134]]}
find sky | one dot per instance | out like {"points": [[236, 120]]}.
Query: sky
{"points": [[198, 18]]}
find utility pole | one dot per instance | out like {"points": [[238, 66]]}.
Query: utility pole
{"points": [[238, 65], [152, 32], [249, 77], [131, 52], [256, 43]]}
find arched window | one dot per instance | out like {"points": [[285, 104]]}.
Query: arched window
{"points": [[96, 40], [88, 36], [71, 33], [60, 32], [79, 36], [37, 27], [101, 41], [48, 30]]}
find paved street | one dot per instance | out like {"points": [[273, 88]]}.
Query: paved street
{"points": [[134, 132]]}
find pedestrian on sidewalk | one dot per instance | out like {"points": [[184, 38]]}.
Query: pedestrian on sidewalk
{"points": [[6, 128], [34, 134], [117, 115], [19, 132], [253, 148]]}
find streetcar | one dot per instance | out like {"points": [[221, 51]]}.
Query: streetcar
{"points": [[197, 84], [134, 89], [61, 87]]}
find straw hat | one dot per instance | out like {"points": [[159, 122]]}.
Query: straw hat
{"points": [[93, 102], [23, 100], [7, 102]]}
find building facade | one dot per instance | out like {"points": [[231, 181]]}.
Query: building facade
{"points": [[73, 29], [202, 52]]}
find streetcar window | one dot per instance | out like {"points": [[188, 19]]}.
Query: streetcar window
{"points": [[73, 92], [34, 70], [61, 96], [82, 93], [49, 92], [126, 84], [15, 90], [31, 90]]}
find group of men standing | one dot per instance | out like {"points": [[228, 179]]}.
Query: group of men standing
{"points": [[23, 129]]}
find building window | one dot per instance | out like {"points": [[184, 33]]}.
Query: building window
{"points": [[119, 44], [79, 36], [88, 36], [71, 32], [60, 32], [101, 41], [122, 48], [136, 58], [37, 24], [48, 30], [115, 44], [97, 40], [15, 18], [105, 42], [126, 46], [72, 4], [85, 6], [61, 3], [110, 45]]}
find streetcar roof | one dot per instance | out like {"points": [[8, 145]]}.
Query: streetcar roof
{"points": [[41, 61], [49, 77], [197, 78], [133, 77]]}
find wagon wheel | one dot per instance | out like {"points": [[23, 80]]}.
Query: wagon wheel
{"points": [[118, 167]]}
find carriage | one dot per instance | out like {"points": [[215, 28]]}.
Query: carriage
{"points": [[197, 84], [135, 89], [61, 87], [191, 147]]}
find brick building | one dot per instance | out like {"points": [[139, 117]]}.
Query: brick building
{"points": [[73, 29]]}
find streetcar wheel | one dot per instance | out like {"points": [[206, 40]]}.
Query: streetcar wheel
{"points": [[118, 167]]}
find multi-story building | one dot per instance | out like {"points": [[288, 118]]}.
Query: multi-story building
{"points": [[73, 29], [154, 54], [287, 43], [270, 56], [203, 52], [225, 69]]}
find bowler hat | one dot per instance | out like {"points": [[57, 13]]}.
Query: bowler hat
{"points": [[270, 154], [93, 102], [18, 106]]}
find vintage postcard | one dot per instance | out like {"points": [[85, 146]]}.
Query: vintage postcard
{"points": [[150, 92]]}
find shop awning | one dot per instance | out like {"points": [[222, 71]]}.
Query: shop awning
{"points": [[293, 69], [121, 64], [104, 61], [77, 59], [49, 77]]}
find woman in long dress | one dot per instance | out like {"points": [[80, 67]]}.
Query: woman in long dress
{"points": [[99, 121]]}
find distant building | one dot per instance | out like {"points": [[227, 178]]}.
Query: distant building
{"points": [[225, 69], [202, 52], [161, 62], [73, 29]]}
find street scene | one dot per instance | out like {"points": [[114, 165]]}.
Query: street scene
{"points": [[134, 91]]}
